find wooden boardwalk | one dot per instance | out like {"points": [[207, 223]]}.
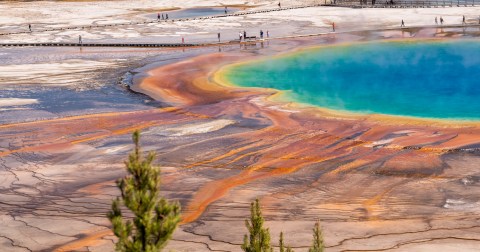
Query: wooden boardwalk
{"points": [[100, 44], [416, 4], [229, 42]]}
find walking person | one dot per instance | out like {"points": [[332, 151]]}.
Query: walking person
{"points": [[218, 35], [268, 34], [279, 5], [333, 26], [441, 20], [166, 16], [30, 27], [80, 39], [403, 24], [463, 20], [240, 36], [436, 21], [245, 35], [261, 34], [225, 9], [158, 16]]}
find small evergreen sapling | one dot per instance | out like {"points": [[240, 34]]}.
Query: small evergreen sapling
{"points": [[317, 245], [154, 218], [258, 239]]}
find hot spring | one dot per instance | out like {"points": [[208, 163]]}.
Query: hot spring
{"points": [[427, 79]]}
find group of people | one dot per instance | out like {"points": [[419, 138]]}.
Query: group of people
{"points": [[464, 22], [240, 34], [244, 35], [161, 17]]}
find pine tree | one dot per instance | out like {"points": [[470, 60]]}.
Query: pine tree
{"points": [[154, 218], [317, 239], [258, 239]]}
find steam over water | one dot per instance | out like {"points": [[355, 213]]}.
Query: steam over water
{"points": [[427, 79]]}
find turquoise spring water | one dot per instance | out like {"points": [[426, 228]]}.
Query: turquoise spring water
{"points": [[428, 79]]}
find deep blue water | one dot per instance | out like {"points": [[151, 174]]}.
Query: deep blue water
{"points": [[429, 79]]}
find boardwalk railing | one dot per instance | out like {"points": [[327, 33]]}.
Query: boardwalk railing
{"points": [[405, 3], [99, 44]]}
